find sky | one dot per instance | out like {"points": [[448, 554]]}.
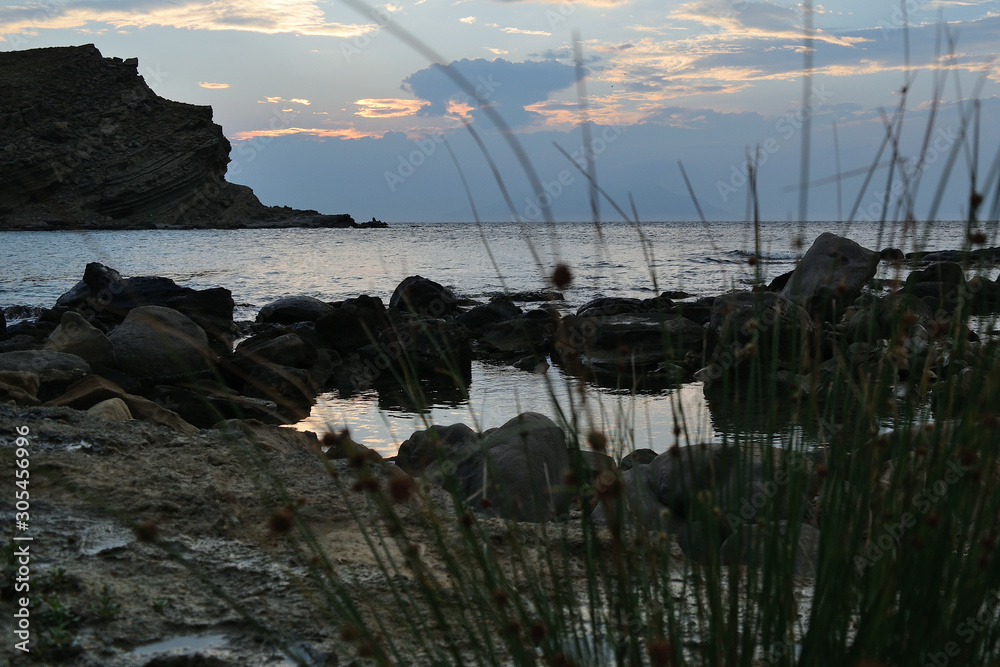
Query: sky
{"points": [[390, 110]]}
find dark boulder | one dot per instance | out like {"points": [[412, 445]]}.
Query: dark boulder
{"points": [[75, 335], [608, 306], [437, 442], [422, 296], [291, 309], [623, 350], [531, 333], [422, 349], [499, 309], [56, 371], [205, 404], [638, 457], [515, 471], [156, 343], [287, 350], [755, 327], [353, 323], [212, 310], [830, 276]]}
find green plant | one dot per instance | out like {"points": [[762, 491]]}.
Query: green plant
{"points": [[59, 624], [106, 608]]}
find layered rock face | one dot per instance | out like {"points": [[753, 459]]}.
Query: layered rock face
{"points": [[87, 144]]}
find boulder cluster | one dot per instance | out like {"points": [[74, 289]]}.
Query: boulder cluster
{"points": [[146, 348]]}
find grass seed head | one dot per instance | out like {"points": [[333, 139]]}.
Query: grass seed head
{"points": [[562, 277], [281, 520], [147, 531]]}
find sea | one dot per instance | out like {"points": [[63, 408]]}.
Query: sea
{"points": [[477, 261]]}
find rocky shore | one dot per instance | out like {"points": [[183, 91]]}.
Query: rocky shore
{"points": [[87, 144], [151, 414]]}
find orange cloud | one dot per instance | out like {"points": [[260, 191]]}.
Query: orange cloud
{"points": [[387, 107], [213, 86], [323, 133]]}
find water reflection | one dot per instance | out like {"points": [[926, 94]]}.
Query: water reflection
{"points": [[383, 419]]}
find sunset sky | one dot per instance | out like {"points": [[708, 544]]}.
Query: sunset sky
{"points": [[327, 108]]}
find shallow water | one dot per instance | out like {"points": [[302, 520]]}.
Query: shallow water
{"points": [[476, 261]]}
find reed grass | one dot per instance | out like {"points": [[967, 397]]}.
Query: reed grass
{"points": [[900, 568]]}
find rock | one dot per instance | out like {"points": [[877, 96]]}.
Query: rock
{"points": [[212, 310], [422, 296], [522, 336], [761, 326], [531, 296], [422, 349], [291, 309], [699, 311], [19, 387], [26, 381], [875, 318], [75, 335], [985, 295], [157, 343], [3, 325], [93, 389], [515, 471], [106, 298], [533, 363], [941, 285], [741, 483], [292, 389], [286, 350], [749, 545], [111, 409], [830, 276], [18, 343], [341, 446], [779, 282], [55, 370], [637, 457], [628, 350], [204, 404], [640, 499], [37, 331], [891, 255], [608, 306], [437, 442], [270, 438], [499, 309], [90, 145], [353, 323]]}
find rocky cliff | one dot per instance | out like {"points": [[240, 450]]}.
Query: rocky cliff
{"points": [[85, 143]]}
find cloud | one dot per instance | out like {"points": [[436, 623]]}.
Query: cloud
{"points": [[278, 100], [587, 3], [303, 17], [728, 20], [509, 86], [468, 19], [322, 133], [213, 86], [520, 31], [387, 108]]}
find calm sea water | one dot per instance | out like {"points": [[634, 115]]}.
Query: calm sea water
{"points": [[475, 261]]}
